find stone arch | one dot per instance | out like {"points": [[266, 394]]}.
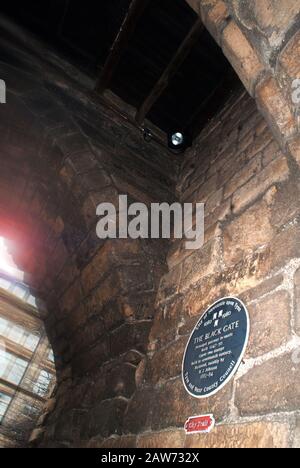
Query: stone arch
{"points": [[261, 41], [62, 156]]}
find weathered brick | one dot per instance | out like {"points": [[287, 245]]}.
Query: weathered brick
{"points": [[270, 14], [270, 387], [82, 162], [294, 147], [166, 322], [296, 435], [259, 144], [169, 284], [201, 263], [72, 296], [98, 267], [289, 59], [112, 314], [276, 172], [212, 232], [36, 435], [138, 414], [120, 380], [248, 435], [187, 325], [231, 281], [275, 109], [220, 214], [270, 22], [106, 418], [86, 361], [107, 289], [95, 180], [165, 439], [123, 442], [270, 153], [173, 406], [84, 337], [214, 201], [297, 300], [239, 179], [107, 195], [71, 144], [266, 335], [284, 204], [208, 188], [177, 253], [166, 363], [262, 289], [284, 247], [135, 279], [130, 336], [195, 4], [215, 19], [242, 56], [247, 233]]}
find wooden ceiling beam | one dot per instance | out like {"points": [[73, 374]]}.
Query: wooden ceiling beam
{"points": [[176, 62], [135, 11], [214, 103]]}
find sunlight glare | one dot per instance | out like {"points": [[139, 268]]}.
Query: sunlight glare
{"points": [[7, 264]]}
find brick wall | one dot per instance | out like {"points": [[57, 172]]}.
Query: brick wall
{"points": [[251, 190]]}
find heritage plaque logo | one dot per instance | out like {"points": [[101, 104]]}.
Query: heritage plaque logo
{"points": [[216, 348]]}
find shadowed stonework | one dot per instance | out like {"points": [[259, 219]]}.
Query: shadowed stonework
{"points": [[120, 312]]}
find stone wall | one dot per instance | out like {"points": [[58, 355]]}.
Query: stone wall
{"points": [[251, 190], [261, 40], [63, 152], [119, 373]]}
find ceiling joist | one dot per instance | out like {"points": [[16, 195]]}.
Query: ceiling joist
{"points": [[135, 11], [176, 62]]}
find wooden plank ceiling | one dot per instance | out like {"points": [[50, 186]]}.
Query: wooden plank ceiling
{"points": [[154, 54]]}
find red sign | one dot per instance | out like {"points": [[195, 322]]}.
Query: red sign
{"points": [[200, 424]]}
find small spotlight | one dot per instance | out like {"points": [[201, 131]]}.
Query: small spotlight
{"points": [[178, 141]]}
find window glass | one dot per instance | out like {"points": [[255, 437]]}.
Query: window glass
{"points": [[12, 368], [31, 342], [31, 301], [51, 356], [30, 410], [4, 284], [18, 335], [42, 384], [20, 292], [4, 402], [3, 326], [15, 333]]}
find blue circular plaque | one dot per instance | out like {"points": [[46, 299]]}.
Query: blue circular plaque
{"points": [[216, 348]]}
